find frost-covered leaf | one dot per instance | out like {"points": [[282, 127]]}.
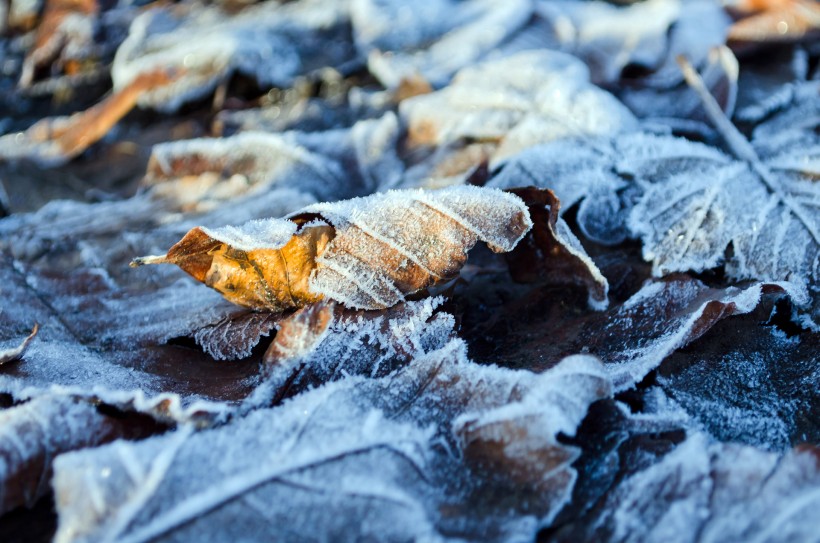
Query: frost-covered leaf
{"points": [[115, 333], [765, 205], [330, 165], [55, 141], [65, 32], [773, 83], [209, 171], [434, 39], [16, 353], [748, 383], [269, 42], [679, 107], [551, 253], [366, 253], [235, 336], [98, 356], [644, 36], [631, 338], [528, 98], [325, 342], [34, 433], [580, 172], [692, 201], [704, 491], [423, 453]]}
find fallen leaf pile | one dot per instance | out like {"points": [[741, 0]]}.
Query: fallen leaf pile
{"points": [[479, 271]]}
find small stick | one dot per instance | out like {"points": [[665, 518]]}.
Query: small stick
{"points": [[150, 259]]}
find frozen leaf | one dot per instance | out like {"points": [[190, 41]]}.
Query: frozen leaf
{"points": [[207, 171], [200, 174], [269, 42], [764, 204], [774, 21], [55, 141], [367, 153], [642, 37], [367, 253], [433, 40], [631, 338], [66, 31], [131, 374], [421, 453], [325, 342], [581, 173], [679, 107], [748, 383], [551, 253], [531, 97], [235, 336], [34, 433], [773, 83], [22, 14], [16, 353], [709, 492]]}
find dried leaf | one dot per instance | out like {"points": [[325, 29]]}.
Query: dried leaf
{"points": [[532, 97], [16, 353], [709, 492], [643, 37], [34, 433], [202, 173], [369, 253], [270, 42], [632, 338], [53, 142], [551, 253], [235, 336], [434, 42], [408, 451], [750, 384], [66, 25], [764, 204], [582, 173]]}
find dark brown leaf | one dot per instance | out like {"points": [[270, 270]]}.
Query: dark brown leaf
{"points": [[551, 254]]}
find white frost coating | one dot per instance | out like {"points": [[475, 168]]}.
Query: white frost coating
{"points": [[690, 213], [265, 160], [609, 37], [714, 492], [33, 433], [429, 229], [528, 98], [647, 34], [376, 450], [270, 42], [433, 39], [629, 363], [573, 384], [253, 235]]}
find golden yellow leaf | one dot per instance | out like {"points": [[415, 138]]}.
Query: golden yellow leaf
{"points": [[367, 253]]}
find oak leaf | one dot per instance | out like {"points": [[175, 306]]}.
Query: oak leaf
{"points": [[367, 253]]}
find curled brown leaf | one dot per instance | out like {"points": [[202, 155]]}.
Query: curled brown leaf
{"points": [[367, 253]]}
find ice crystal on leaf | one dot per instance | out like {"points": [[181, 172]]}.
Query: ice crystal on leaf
{"points": [[409, 451]]}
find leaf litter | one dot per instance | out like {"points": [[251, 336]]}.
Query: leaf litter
{"points": [[638, 365]]}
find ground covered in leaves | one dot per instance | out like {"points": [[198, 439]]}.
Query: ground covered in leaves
{"points": [[628, 353]]}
